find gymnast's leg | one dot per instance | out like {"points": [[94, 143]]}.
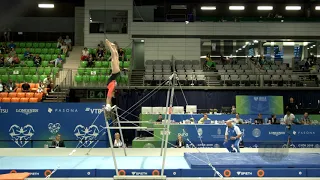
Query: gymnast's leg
{"points": [[112, 83]]}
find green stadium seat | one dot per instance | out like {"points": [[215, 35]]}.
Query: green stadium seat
{"points": [[58, 51], [25, 71], [128, 57], [32, 50], [98, 64], [29, 44], [22, 45], [48, 45], [28, 78], [126, 64], [3, 71], [42, 45], [94, 79], [97, 70], [81, 71], [19, 78], [37, 51], [33, 71], [21, 57], [42, 77], [78, 78], [42, 56], [54, 45], [102, 79], [18, 50], [88, 71], [105, 64], [35, 45], [40, 70], [83, 64], [4, 78], [13, 77], [127, 51], [106, 57], [48, 57], [63, 56], [29, 63], [35, 79], [51, 51], [86, 78], [103, 71], [55, 70], [47, 71], [18, 70], [44, 51], [44, 63], [54, 56]]}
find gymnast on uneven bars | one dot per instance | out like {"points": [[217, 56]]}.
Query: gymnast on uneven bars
{"points": [[115, 67]]}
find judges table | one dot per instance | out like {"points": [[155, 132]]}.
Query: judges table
{"points": [[211, 135]]}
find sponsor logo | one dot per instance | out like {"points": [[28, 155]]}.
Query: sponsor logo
{"points": [[277, 133], [183, 134], [27, 111], [4, 111], [216, 146], [200, 132], [54, 128], [94, 111], [34, 173], [317, 146], [240, 173], [256, 133], [139, 173], [21, 135], [165, 132], [50, 110], [304, 133], [219, 134], [86, 135], [263, 99]]}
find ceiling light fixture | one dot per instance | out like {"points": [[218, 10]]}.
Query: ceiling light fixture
{"points": [[46, 5], [206, 8], [293, 8], [236, 8], [265, 8]]}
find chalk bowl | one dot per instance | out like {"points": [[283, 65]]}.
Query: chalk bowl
{"points": [[148, 145], [273, 152]]}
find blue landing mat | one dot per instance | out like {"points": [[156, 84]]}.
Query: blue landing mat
{"points": [[253, 160]]}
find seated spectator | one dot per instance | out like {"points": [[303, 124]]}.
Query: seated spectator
{"points": [[159, 120], [25, 87], [64, 48], [57, 61], [2, 86], [47, 82], [85, 54], [27, 54], [10, 86], [60, 38], [100, 54], [15, 60], [8, 61], [305, 119], [273, 119], [37, 60], [117, 141], [101, 45], [203, 119], [289, 118], [3, 48], [179, 142], [68, 42], [42, 88], [59, 44], [1, 60], [90, 61], [233, 110], [12, 45], [237, 119], [259, 119], [121, 54], [57, 142], [12, 52]]}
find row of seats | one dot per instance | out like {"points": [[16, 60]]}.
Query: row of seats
{"points": [[23, 78], [240, 71], [44, 57], [275, 67], [99, 79], [29, 71], [232, 67], [19, 100], [34, 44], [293, 78], [94, 71], [21, 95], [99, 64], [181, 77], [169, 62], [38, 50]]}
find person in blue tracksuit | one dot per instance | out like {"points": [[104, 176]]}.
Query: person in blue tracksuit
{"points": [[232, 137]]}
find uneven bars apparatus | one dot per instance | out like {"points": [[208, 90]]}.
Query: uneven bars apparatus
{"points": [[170, 95]]}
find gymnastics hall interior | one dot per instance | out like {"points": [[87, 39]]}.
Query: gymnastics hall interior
{"points": [[183, 60]]}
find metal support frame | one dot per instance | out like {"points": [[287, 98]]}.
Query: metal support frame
{"points": [[165, 130]]}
